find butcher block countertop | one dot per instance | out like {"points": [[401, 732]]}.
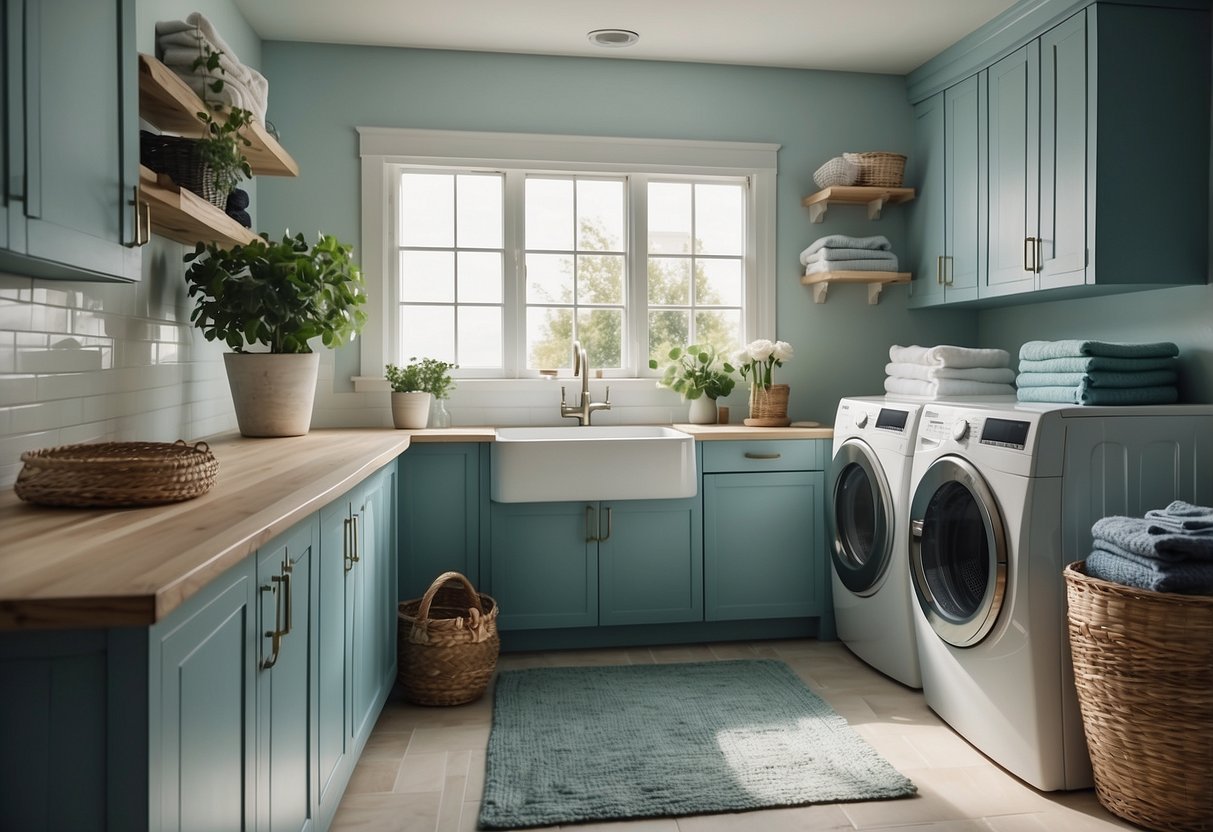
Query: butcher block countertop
{"points": [[94, 568]]}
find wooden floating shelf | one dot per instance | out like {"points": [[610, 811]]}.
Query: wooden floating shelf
{"points": [[876, 281], [186, 217], [168, 102], [874, 198]]}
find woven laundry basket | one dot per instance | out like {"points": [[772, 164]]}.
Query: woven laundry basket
{"points": [[1143, 668], [447, 643], [838, 172], [879, 169]]}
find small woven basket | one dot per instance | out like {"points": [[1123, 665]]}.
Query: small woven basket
{"points": [[116, 474], [838, 172], [177, 157], [1143, 668], [447, 643], [879, 169], [768, 406]]}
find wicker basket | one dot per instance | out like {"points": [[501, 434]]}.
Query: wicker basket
{"points": [[878, 168], [768, 406], [837, 172], [447, 643], [177, 158], [1143, 667], [115, 474]]}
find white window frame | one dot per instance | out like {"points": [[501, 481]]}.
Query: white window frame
{"points": [[385, 149]]}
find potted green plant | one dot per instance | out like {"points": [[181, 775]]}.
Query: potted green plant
{"points": [[701, 376], [220, 150], [413, 387], [277, 296]]}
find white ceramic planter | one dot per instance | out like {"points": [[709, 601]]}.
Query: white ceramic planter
{"points": [[273, 393], [703, 411], [410, 411]]}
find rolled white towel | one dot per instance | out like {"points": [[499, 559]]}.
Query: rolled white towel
{"points": [[946, 355], [181, 60], [944, 387], [927, 372]]}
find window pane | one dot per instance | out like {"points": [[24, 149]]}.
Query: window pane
{"points": [[427, 276], [479, 277], [427, 209], [480, 337], [479, 211], [669, 281], [668, 329], [719, 219], [718, 282], [549, 338], [719, 327], [427, 332], [600, 278], [601, 333], [549, 278], [669, 218], [599, 215], [549, 214]]}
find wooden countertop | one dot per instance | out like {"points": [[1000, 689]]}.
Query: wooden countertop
{"points": [[704, 433], [131, 567]]}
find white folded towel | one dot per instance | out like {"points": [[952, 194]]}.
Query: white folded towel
{"points": [[946, 355], [849, 254], [926, 372], [180, 42], [944, 387], [851, 266], [876, 243]]}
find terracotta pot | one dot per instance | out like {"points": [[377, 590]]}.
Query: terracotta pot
{"points": [[410, 411], [273, 393]]}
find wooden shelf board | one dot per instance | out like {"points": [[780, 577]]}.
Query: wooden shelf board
{"points": [[874, 198], [168, 102], [186, 217], [875, 281]]}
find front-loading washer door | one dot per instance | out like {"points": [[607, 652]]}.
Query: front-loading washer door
{"points": [[860, 518], [958, 551]]}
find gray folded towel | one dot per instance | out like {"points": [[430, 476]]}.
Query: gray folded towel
{"points": [[1097, 378], [1036, 350], [1180, 517], [1086, 363], [1132, 535], [876, 243], [818, 266], [1185, 577]]}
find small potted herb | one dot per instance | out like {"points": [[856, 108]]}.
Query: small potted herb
{"points": [[413, 388], [699, 375]]}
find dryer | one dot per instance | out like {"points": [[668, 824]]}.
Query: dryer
{"points": [[1002, 498], [868, 488]]}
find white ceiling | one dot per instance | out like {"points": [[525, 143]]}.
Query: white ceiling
{"points": [[884, 36]]}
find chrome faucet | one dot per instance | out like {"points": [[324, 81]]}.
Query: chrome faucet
{"points": [[581, 366]]}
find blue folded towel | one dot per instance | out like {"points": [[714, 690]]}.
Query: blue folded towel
{"points": [[1086, 363], [1131, 535], [1098, 395], [1180, 517], [1036, 350], [1185, 577], [1097, 378], [876, 243]]}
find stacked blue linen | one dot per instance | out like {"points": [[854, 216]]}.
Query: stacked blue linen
{"points": [[1097, 373], [1168, 550], [841, 253]]}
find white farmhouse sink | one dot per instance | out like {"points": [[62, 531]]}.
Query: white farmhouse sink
{"points": [[609, 462]]}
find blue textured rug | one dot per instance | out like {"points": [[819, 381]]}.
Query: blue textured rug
{"points": [[598, 743]]}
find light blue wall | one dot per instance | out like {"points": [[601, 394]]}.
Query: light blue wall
{"points": [[319, 94]]}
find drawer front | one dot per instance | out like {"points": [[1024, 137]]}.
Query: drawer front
{"points": [[763, 455]]}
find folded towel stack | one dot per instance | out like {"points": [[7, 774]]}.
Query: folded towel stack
{"points": [[945, 370], [181, 42], [1168, 550], [840, 253], [1097, 373]]}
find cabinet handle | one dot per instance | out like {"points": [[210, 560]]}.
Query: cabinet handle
{"points": [[939, 270], [274, 635], [589, 538], [1029, 246], [348, 545], [752, 455], [356, 556], [147, 223], [608, 534], [138, 241], [287, 568], [1040, 254]]}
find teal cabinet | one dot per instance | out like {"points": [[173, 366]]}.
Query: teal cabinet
{"points": [[334, 760], [373, 611], [440, 504], [650, 561], [926, 213], [70, 205]]}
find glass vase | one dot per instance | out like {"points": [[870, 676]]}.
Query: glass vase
{"points": [[440, 417]]}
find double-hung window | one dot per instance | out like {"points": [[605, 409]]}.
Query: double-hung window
{"points": [[498, 251]]}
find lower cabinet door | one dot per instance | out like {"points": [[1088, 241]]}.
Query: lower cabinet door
{"points": [[203, 667], [373, 644], [545, 565], [439, 514], [650, 562], [763, 545], [334, 734], [285, 689]]}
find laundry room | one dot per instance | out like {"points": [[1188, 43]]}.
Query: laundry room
{"points": [[713, 416]]}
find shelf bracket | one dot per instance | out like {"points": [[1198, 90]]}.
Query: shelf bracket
{"points": [[817, 211], [876, 206], [874, 290], [821, 291]]}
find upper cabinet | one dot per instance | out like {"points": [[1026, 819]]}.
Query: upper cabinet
{"points": [[1092, 162], [70, 141]]}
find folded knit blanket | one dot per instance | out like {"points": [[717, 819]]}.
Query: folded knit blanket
{"points": [[1083, 364], [1036, 350], [850, 266], [944, 387], [1133, 535], [850, 254], [1098, 378], [927, 372], [1185, 577], [876, 243], [1109, 396], [1180, 517], [946, 355]]}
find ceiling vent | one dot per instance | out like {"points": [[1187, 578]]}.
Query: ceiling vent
{"points": [[613, 38]]}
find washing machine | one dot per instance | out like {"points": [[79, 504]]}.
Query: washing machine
{"points": [[868, 492], [1002, 497]]}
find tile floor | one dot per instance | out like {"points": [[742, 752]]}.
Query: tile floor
{"points": [[423, 768]]}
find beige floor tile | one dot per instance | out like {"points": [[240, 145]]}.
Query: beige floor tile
{"points": [[1083, 811], [387, 813], [940, 746], [793, 819], [640, 655], [1035, 822], [373, 776], [421, 772], [588, 658], [681, 653], [892, 746], [521, 661], [929, 805], [469, 815], [475, 784], [647, 825], [451, 808], [732, 650], [460, 738], [937, 826], [386, 745]]}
